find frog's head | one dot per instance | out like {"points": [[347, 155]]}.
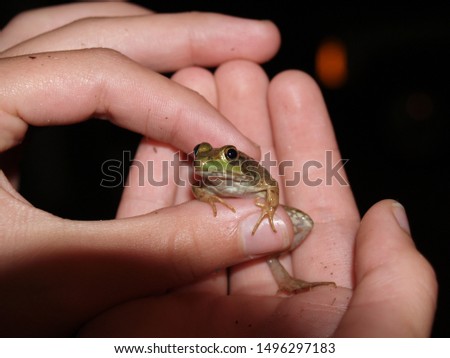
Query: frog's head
{"points": [[223, 163]]}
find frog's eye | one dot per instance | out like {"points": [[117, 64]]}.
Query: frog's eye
{"points": [[202, 148], [196, 150], [231, 153]]}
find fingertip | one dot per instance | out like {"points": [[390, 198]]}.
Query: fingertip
{"points": [[273, 39], [292, 76], [215, 38], [200, 80], [392, 214], [12, 129], [399, 212], [241, 77], [295, 87], [242, 87], [255, 40], [299, 111], [384, 240], [380, 235]]}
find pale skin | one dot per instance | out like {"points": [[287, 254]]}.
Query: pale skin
{"points": [[57, 275]]}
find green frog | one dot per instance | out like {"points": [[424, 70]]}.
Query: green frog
{"points": [[227, 172]]}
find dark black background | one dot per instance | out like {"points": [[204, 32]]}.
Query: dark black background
{"points": [[395, 55]]}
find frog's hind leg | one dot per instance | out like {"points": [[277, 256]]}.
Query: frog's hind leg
{"points": [[288, 284], [302, 224]]}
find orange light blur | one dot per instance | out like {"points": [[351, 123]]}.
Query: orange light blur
{"points": [[331, 63]]}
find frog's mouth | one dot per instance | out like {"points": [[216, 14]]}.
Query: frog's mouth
{"points": [[214, 176]]}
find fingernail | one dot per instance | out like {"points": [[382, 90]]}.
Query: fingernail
{"points": [[264, 241], [400, 215]]}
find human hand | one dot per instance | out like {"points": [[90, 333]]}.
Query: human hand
{"points": [[56, 274], [385, 287]]}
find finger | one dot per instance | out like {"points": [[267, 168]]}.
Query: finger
{"points": [[159, 175], [242, 88], [203, 39], [203, 82], [68, 87], [300, 118], [100, 264], [199, 80], [31, 23], [144, 197], [396, 288]]}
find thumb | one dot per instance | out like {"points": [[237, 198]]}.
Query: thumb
{"points": [[395, 294], [69, 271], [185, 242]]}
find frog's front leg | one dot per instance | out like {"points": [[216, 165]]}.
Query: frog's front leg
{"points": [[268, 207], [203, 194]]}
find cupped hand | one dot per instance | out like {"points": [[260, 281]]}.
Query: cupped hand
{"points": [[58, 275], [62, 65], [385, 287]]}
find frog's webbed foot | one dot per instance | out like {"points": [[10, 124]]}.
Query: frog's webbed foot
{"points": [[268, 205], [288, 284], [266, 211], [211, 199]]}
